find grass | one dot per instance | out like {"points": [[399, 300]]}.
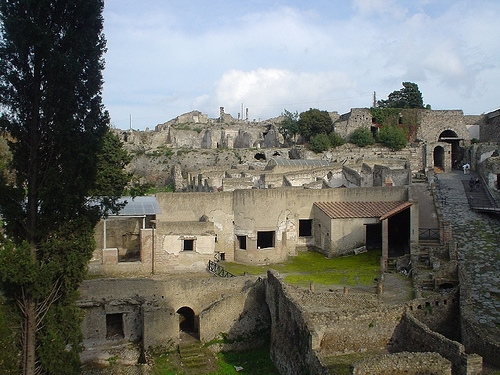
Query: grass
{"points": [[255, 362], [311, 266]]}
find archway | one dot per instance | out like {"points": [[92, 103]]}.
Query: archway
{"points": [[187, 321], [438, 156], [449, 136]]}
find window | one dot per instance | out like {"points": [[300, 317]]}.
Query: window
{"points": [[114, 326], [305, 227], [187, 245], [265, 239], [242, 242]]}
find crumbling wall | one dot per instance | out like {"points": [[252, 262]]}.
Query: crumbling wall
{"points": [[474, 338], [490, 128], [403, 364], [241, 319], [293, 340]]}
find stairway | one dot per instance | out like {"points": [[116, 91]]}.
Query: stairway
{"points": [[195, 359]]}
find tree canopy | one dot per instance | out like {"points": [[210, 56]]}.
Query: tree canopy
{"points": [[313, 122], [407, 97], [50, 95]]}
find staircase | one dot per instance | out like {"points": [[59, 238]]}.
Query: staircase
{"points": [[194, 358]]}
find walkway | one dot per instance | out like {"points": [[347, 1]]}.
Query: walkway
{"points": [[478, 241]]}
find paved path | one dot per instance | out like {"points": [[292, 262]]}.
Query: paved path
{"points": [[478, 239]]}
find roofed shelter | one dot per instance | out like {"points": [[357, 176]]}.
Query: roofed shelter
{"points": [[341, 227]]}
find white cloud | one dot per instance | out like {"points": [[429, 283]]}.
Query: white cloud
{"points": [[165, 60]]}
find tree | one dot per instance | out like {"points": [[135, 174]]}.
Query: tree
{"points": [[336, 139], [362, 137], [314, 122], [319, 143], [408, 97], [289, 127], [393, 137], [50, 94]]}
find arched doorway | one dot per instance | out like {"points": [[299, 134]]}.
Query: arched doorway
{"points": [[449, 136], [187, 321], [438, 156]]}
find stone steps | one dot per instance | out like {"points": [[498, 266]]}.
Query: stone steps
{"points": [[194, 356]]}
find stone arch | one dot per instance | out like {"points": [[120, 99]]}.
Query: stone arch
{"points": [[188, 321], [439, 158]]}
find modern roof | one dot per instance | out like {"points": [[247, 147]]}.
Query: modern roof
{"points": [[139, 206], [297, 162], [345, 210]]}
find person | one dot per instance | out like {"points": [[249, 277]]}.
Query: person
{"points": [[477, 183], [471, 184], [466, 168]]}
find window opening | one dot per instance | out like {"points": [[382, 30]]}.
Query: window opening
{"points": [[114, 326], [188, 245], [242, 242], [265, 239], [305, 227]]}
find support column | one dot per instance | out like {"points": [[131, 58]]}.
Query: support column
{"points": [[385, 245]]}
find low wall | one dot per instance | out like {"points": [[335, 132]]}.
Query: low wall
{"points": [[402, 364]]}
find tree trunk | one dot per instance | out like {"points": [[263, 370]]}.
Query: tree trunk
{"points": [[29, 337]]}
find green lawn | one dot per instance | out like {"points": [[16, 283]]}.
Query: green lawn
{"points": [[311, 266]]}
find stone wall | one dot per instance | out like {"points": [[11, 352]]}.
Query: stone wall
{"points": [[403, 364], [474, 338], [490, 128], [433, 123], [234, 308], [293, 340]]}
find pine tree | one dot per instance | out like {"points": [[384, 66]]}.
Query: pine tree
{"points": [[51, 61]]}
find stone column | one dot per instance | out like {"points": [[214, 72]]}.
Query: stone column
{"points": [[385, 245]]}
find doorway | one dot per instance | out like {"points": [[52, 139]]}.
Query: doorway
{"points": [[187, 321], [439, 162]]}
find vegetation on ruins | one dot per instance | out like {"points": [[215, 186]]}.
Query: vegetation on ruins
{"points": [[407, 97], [394, 137], [313, 122], [289, 127], [322, 142], [319, 143], [50, 95], [362, 137]]}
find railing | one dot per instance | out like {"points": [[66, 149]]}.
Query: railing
{"points": [[217, 270], [428, 234]]}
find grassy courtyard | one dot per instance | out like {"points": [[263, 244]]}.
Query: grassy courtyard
{"points": [[311, 266]]}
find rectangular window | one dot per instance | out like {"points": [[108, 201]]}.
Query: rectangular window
{"points": [[114, 326], [242, 242], [265, 239], [187, 245], [305, 227]]}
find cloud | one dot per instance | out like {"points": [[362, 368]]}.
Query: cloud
{"points": [[165, 59]]}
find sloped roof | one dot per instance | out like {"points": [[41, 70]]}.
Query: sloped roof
{"points": [[139, 206], [297, 162], [345, 210]]}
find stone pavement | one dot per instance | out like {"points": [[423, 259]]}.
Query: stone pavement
{"points": [[478, 241]]}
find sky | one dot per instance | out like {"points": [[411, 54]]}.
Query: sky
{"points": [[168, 57]]}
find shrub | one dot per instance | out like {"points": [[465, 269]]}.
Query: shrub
{"points": [[319, 143], [362, 137], [336, 139], [393, 137]]}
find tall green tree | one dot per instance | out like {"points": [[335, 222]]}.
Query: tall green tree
{"points": [[288, 127], [313, 122], [51, 61], [408, 97]]}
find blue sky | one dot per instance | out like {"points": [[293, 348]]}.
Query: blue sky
{"points": [[168, 57]]}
